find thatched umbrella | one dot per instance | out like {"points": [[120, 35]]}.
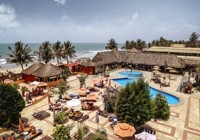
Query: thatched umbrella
{"points": [[156, 69], [124, 130], [169, 68], [8, 81]]}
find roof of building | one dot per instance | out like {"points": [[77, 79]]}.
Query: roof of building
{"points": [[47, 70], [33, 68], [139, 58], [174, 50]]}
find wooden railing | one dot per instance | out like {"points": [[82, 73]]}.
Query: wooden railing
{"points": [[54, 83]]}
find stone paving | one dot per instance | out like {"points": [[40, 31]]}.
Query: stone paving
{"points": [[184, 122]]}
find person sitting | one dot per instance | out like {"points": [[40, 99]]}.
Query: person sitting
{"points": [[100, 84]]}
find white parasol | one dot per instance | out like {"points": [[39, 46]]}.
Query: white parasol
{"points": [[73, 103]]}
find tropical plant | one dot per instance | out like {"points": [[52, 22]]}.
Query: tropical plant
{"points": [[23, 90], [140, 44], [45, 52], [16, 85], [21, 54], [127, 45], [111, 44], [66, 73], [81, 79], [61, 117], [62, 89], [61, 132], [58, 51], [133, 104], [69, 50], [193, 41], [161, 108], [11, 104], [100, 134], [82, 131], [109, 101]]}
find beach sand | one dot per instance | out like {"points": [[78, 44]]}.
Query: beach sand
{"points": [[17, 69]]}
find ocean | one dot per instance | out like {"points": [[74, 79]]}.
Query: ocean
{"points": [[82, 50]]}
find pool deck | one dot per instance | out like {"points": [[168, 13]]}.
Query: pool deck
{"points": [[184, 122]]}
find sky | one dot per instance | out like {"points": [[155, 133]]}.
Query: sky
{"points": [[97, 21]]}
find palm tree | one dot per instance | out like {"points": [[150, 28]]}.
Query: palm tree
{"points": [[193, 40], [62, 89], [45, 52], [82, 131], [100, 134], [111, 44], [21, 54], [58, 51], [140, 44], [62, 132], [127, 45], [69, 50]]}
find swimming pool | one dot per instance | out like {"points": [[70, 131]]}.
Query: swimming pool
{"points": [[123, 81]]}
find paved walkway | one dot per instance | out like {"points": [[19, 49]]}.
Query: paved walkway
{"points": [[184, 122]]}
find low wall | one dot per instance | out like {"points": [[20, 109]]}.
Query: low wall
{"points": [[19, 81], [38, 100], [2, 130], [54, 83]]}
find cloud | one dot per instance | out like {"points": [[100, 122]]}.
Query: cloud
{"points": [[64, 18], [8, 17], [135, 16], [60, 2]]}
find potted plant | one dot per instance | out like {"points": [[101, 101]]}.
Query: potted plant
{"points": [[81, 79], [23, 90]]}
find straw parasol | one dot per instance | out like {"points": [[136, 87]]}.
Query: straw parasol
{"points": [[156, 69], [169, 68], [20, 126], [8, 81], [47, 70], [92, 96], [124, 130]]}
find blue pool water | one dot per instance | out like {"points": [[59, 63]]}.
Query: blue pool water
{"points": [[123, 81]]}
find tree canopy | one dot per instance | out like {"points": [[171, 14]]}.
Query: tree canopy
{"points": [[45, 52], [62, 132], [161, 108], [133, 104], [21, 54], [11, 104], [69, 50], [111, 44]]}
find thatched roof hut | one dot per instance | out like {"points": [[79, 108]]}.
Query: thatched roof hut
{"points": [[155, 59], [139, 58], [48, 70], [30, 70]]}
